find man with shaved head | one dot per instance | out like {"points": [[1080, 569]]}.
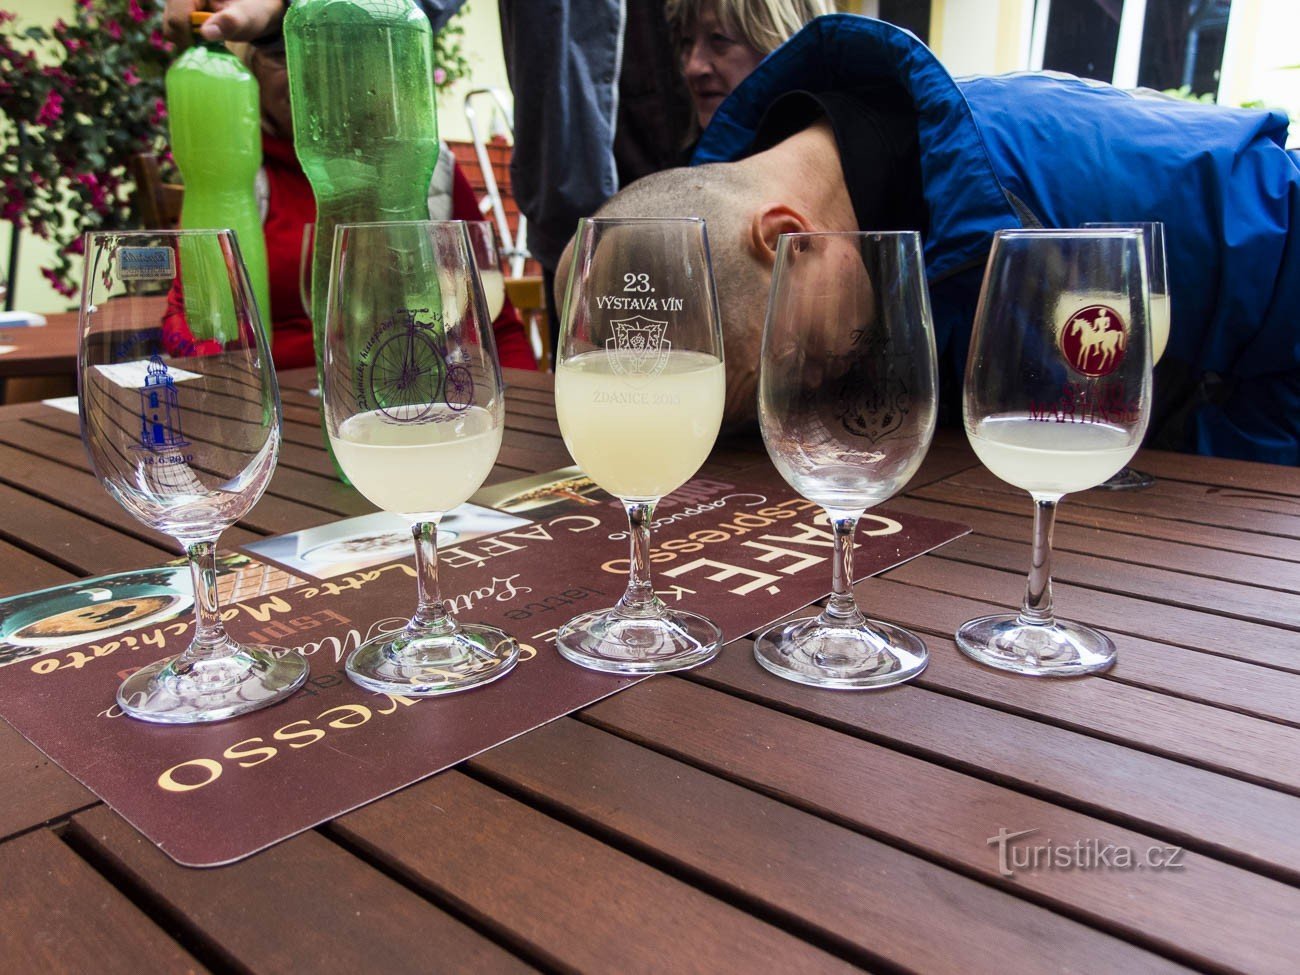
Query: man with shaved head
{"points": [[853, 125]]}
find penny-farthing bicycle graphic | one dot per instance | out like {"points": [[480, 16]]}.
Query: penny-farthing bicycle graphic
{"points": [[406, 371]]}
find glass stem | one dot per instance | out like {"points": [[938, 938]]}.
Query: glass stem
{"points": [[639, 600], [431, 615], [842, 608], [210, 639], [1037, 607]]}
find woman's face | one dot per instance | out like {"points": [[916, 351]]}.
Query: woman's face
{"points": [[714, 63]]}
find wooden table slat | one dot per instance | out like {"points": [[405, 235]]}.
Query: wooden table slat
{"points": [[773, 854], [1220, 681], [61, 916], [568, 899], [949, 817], [1222, 816], [353, 919]]}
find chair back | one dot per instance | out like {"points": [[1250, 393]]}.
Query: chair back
{"points": [[157, 203]]}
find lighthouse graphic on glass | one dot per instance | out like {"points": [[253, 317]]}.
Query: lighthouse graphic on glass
{"points": [[160, 415]]}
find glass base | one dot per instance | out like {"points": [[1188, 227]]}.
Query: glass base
{"points": [[1127, 479], [808, 651], [607, 641], [172, 692], [426, 666], [1057, 649]]}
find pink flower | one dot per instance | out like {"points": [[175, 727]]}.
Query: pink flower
{"points": [[137, 13], [57, 282], [157, 40], [13, 211], [159, 112], [51, 110], [6, 16], [439, 76], [130, 77], [114, 30], [78, 246], [98, 198]]}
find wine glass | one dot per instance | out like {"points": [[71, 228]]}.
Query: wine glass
{"points": [[847, 403], [180, 414], [483, 245], [1153, 241], [414, 409], [639, 388], [1056, 399]]}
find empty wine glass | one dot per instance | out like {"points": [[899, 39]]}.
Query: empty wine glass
{"points": [[847, 404], [639, 389], [1153, 241], [1056, 399], [487, 258], [414, 409], [180, 414]]}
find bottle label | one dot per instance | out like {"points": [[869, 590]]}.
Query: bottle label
{"points": [[146, 263]]}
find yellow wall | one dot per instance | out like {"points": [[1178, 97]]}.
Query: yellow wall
{"points": [[481, 44], [1261, 60], [31, 292]]}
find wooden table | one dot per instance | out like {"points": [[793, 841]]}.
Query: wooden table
{"points": [[726, 821], [41, 353]]}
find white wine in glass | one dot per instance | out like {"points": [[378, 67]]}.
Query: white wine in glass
{"points": [[180, 413], [847, 401], [639, 389], [415, 409], [487, 258], [1056, 399], [1153, 240]]}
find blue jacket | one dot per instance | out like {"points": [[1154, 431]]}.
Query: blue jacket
{"points": [[1054, 150]]}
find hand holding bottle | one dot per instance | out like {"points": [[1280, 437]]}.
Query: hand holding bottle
{"points": [[232, 20]]}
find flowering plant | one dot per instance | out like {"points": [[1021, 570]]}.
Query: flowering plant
{"points": [[81, 100], [448, 57]]}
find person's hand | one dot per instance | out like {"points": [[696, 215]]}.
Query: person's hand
{"points": [[232, 20]]}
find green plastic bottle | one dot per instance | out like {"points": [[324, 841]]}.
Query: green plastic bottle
{"points": [[216, 136], [365, 123]]}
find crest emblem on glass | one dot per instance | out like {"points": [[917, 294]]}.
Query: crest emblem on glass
{"points": [[1056, 399], [180, 414], [414, 409], [639, 387], [847, 405]]}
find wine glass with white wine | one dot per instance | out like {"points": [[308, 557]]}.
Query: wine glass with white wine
{"points": [[180, 413], [487, 258], [1056, 399], [415, 409], [639, 389], [847, 399], [1153, 240]]}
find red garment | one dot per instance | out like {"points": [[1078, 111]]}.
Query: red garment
{"points": [[290, 207]]}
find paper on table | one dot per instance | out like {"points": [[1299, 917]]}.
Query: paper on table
{"points": [[7, 348], [66, 403], [131, 375]]}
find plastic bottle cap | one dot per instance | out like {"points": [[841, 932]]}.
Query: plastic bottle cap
{"points": [[199, 17]]}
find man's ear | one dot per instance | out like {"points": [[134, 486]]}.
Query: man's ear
{"points": [[769, 222]]}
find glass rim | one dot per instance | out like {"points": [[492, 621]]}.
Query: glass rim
{"points": [[869, 234], [611, 221], [1128, 230], [170, 232], [402, 223], [1120, 224]]}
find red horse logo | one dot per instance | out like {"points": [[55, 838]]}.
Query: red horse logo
{"points": [[1094, 340]]}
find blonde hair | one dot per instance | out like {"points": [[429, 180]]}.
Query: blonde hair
{"points": [[762, 24]]}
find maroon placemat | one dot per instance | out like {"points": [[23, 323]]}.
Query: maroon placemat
{"points": [[745, 551]]}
